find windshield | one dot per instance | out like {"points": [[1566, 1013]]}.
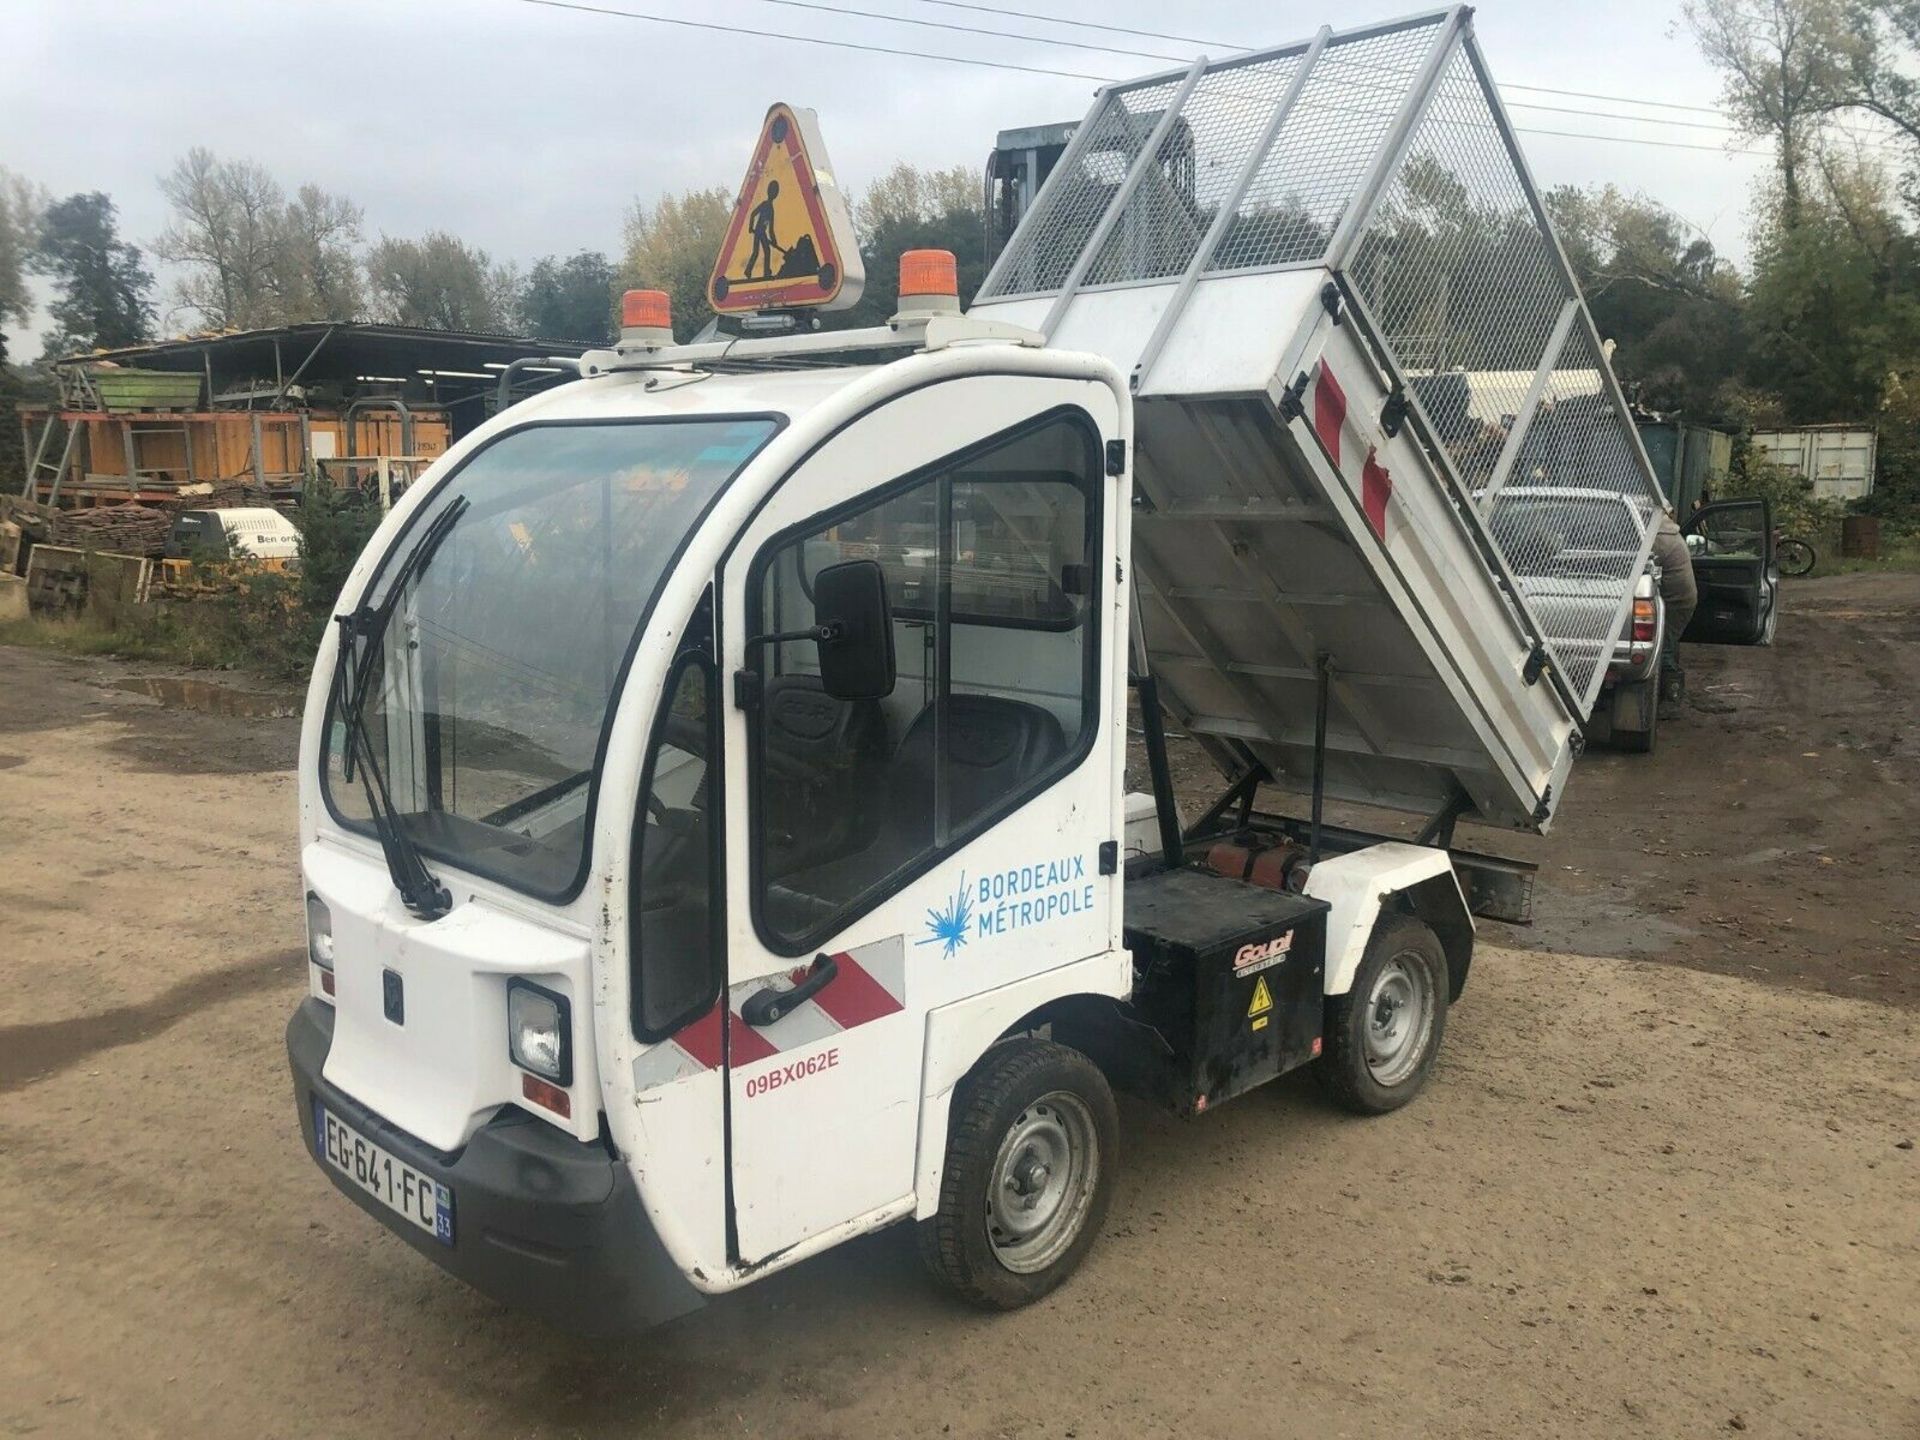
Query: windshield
{"points": [[494, 680]]}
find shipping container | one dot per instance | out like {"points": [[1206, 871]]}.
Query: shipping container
{"points": [[1691, 461], [1838, 459]]}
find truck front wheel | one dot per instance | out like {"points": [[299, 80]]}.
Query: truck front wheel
{"points": [[1383, 1034], [1031, 1150]]}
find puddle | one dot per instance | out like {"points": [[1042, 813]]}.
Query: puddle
{"points": [[211, 699]]}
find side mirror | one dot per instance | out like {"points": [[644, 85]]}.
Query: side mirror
{"points": [[851, 610]]}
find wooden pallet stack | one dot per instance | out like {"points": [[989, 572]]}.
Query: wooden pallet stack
{"points": [[116, 529]]}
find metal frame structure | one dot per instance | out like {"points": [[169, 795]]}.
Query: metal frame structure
{"points": [[1148, 157], [1392, 147]]}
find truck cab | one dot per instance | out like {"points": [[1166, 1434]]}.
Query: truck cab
{"points": [[636, 800]]}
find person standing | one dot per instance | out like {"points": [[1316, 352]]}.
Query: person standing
{"points": [[1681, 597]]}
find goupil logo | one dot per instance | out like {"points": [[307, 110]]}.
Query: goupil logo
{"points": [[1270, 950]]}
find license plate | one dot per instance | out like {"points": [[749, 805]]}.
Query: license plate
{"points": [[416, 1198]]}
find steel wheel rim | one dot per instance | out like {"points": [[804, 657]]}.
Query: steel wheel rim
{"points": [[1042, 1183], [1399, 1020]]}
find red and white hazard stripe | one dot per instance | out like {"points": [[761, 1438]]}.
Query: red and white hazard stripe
{"points": [[870, 984], [1342, 435]]}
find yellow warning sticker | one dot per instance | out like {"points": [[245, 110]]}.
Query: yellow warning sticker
{"points": [[1262, 1002]]}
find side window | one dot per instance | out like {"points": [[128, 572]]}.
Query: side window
{"points": [[675, 932], [991, 564], [1735, 528]]}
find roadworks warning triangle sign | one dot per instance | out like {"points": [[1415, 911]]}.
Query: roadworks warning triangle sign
{"points": [[790, 242]]}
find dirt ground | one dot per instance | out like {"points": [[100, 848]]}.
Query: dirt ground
{"points": [[1657, 1188]]}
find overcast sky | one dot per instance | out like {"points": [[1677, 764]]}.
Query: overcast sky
{"points": [[529, 130]]}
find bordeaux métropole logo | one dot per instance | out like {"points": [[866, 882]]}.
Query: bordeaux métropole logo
{"points": [[1008, 900], [947, 926]]}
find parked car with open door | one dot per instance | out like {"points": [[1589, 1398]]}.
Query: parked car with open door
{"points": [[1737, 573]]}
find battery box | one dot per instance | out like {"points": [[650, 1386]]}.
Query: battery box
{"points": [[1228, 987]]}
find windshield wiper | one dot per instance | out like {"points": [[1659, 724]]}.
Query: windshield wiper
{"points": [[361, 632]]}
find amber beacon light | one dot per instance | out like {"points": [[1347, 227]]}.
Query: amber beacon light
{"points": [[929, 285], [646, 315], [929, 272]]}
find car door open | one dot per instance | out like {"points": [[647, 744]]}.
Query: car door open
{"points": [[1734, 568]]}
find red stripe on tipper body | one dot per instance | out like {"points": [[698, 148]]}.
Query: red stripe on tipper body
{"points": [[853, 997], [1375, 486], [1329, 411]]}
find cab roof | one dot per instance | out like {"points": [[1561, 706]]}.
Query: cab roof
{"points": [[634, 394]]}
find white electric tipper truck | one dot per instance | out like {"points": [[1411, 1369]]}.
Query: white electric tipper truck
{"points": [[712, 813]]}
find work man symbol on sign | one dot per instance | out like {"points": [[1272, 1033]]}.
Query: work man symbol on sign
{"points": [[790, 241], [764, 241]]}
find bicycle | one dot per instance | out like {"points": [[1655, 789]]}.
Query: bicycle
{"points": [[1795, 557]]}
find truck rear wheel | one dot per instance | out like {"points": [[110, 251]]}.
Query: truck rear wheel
{"points": [[1031, 1150], [1383, 1034]]}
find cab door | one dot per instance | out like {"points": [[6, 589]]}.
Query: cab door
{"points": [[1734, 569], [889, 855]]}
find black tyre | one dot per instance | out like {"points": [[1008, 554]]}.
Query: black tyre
{"points": [[1795, 557], [1031, 1152], [1383, 1034]]}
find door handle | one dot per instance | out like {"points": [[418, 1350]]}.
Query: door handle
{"points": [[767, 1007]]}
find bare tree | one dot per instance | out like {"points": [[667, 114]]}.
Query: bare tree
{"points": [[1779, 60], [1878, 68], [224, 233], [316, 272], [251, 256]]}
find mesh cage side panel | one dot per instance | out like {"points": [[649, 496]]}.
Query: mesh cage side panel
{"points": [[1462, 281], [1196, 166], [1308, 177], [1573, 513], [1043, 250], [1466, 286]]}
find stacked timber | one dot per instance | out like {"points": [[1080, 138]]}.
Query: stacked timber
{"points": [[115, 529]]}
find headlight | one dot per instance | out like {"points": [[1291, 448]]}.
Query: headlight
{"points": [[319, 932], [320, 942], [539, 1027]]}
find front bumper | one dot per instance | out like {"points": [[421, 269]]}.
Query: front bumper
{"points": [[542, 1222]]}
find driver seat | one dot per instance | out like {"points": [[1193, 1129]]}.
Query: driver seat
{"points": [[840, 746]]}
